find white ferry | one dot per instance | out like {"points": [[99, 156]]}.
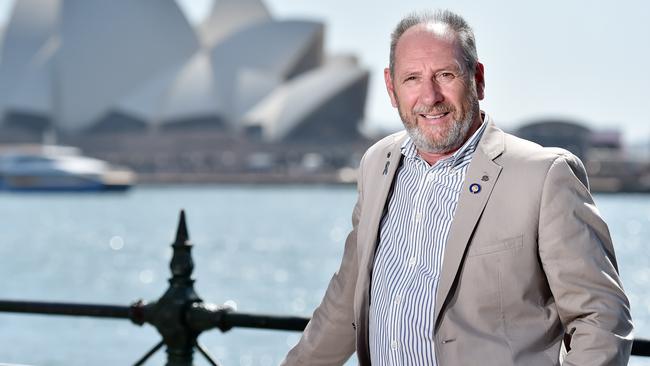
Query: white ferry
{"points": [[58, 168]]}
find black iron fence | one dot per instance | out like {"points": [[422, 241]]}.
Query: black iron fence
{"points": [[180, 315]]}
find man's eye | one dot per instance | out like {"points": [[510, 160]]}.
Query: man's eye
{"points": [[445, 76]]}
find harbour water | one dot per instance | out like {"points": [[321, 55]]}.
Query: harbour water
{"points": [[269, 249]]}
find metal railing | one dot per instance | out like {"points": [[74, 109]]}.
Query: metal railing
{"points": [[180, 315]]}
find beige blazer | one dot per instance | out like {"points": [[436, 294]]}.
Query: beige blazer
{"points": [[528, 258]]}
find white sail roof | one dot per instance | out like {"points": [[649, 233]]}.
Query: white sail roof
{"points": [[111, 47], [34, 94], [145, 101], [229, 16], [182, 92], [31, 25], [251, 63], [193, 92], [288, 106]]}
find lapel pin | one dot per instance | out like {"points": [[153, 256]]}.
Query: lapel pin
{"points": [[386, 167], [475, 188], [485, 178]]}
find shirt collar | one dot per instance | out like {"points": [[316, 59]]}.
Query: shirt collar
{"points": [[409, 150]]}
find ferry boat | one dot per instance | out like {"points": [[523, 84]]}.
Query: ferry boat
{"points": [[58, 168]]}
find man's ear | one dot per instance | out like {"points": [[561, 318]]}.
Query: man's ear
{"points": [[479, 78], [389, 87]]}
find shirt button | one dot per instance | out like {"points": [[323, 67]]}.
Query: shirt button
{"points": [[393, 345], [398, 299], [418, 216], [412, 261], [429, 178]]}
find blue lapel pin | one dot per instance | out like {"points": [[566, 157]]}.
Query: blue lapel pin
{"points": [[475, 188]]}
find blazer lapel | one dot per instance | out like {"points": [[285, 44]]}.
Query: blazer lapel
{"points": [[484, 173], [378, 182]]}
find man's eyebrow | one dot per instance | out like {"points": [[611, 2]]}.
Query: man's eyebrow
{"points": [[410, 72], [455, 67]]}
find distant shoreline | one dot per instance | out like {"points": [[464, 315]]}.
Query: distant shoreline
{"points": [[597, 185], [244, 178]]}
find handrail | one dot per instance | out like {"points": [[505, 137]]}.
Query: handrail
{"points": [[59, 308], [222, 319], [641, 347], [180, 315]]}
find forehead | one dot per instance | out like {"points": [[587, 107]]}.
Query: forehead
{"points": [[427, 43]]}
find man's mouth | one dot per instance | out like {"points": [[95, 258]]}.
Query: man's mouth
{"points": [[433, 116]]}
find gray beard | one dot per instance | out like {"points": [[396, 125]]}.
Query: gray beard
{"points": [[455, 137]]}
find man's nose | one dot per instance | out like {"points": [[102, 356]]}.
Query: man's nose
{"points": [[430, 93]]}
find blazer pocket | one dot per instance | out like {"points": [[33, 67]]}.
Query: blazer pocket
{"points": [[507, 244]]}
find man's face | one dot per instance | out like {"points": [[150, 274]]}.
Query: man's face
{"points": [[436, 99]]}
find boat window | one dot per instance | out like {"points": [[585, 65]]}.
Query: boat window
{"points": [[30, 159]]}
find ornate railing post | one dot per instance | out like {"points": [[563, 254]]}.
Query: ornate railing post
{"points": [[170, 313]]}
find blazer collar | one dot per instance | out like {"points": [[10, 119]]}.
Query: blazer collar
{"points": [[492, 142]]}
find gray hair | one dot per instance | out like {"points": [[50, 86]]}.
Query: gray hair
{"points": [[461, 29]]}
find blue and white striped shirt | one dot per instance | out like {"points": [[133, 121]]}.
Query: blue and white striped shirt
{"points": [[412, 239]]}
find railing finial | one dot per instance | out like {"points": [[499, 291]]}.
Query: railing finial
{"points": [[181, 232]]}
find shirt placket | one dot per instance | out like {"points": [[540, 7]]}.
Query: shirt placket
{"points": [[428, 192], [426, 175]]}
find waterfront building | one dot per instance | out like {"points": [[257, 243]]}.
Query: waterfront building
{"points": [[241, 96], [611, 168]]}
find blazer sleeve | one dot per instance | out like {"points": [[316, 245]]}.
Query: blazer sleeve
{"points": [[578, 258], [329, 338]]}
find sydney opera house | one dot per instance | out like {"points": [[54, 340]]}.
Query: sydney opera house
{"points": [[135, 83]]}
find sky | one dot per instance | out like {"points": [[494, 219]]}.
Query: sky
{"points": [[585, 61]]}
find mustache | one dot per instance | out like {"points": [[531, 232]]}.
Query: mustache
{"points": [[434, 109]]}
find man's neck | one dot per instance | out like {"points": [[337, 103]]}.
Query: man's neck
{"points": [[432, 158]]}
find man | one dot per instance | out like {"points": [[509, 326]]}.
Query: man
{"points": [[469, 246]]}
